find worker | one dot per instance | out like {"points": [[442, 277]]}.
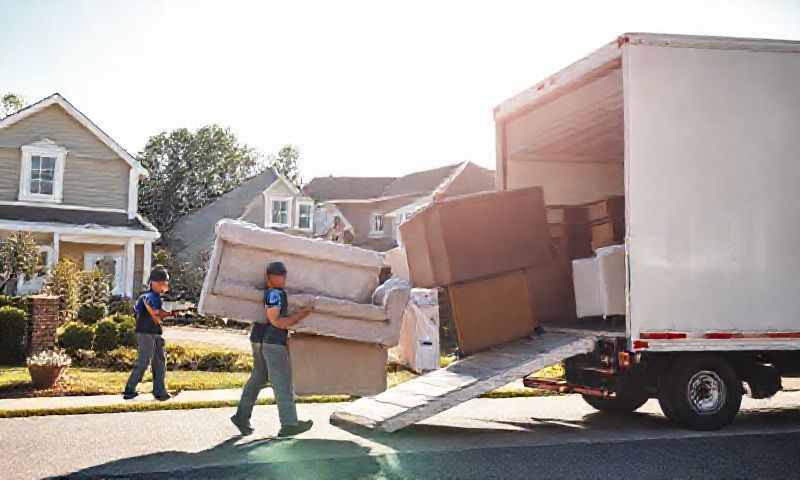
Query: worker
{"points": [[336, 233], [271, 358]]}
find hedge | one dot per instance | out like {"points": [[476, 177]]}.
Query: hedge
{"points": [[76, 336], [13, 334], [92, 313], [106, 335]]}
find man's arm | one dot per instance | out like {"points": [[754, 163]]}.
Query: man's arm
{"points": [[158, 315], [274, 317]]}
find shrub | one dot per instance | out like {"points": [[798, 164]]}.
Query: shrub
{"points": [[119, 318], [76, 336], [6, 300], [63, 283], [91, 313], [127, 332], [13, 333], [120, 306], [106, 335], [93, 288]]}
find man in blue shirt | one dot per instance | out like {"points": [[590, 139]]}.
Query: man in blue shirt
{"points": [[150, 343], [271, 358]]}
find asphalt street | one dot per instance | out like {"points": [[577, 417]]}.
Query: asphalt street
{"points": [[553, 437]]}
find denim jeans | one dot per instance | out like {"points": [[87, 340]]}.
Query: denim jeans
{"points": [[270, 363], [150, 349]]}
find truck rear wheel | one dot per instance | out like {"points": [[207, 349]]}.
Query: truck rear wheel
{"points": [[701, 393], [623, 402]]}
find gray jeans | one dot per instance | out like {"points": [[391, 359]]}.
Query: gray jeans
{"points": [[150, 352], [270, 363]]}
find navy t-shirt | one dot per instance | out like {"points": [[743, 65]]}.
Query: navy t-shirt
{"points": [[144, 322], [267, 332]]}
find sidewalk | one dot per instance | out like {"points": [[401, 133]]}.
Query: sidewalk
{"points": [[96, 401]]}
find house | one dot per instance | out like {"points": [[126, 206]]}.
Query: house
{"points": [[66, 181], [373, 208], [268, 200]]}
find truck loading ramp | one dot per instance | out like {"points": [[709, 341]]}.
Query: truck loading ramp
{"points": [[435, 392]]}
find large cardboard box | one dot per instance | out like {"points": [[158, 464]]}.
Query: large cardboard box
{"points": [[611, 207], [474, 236], [609, 230], [492, 311], [569, 214], [550, 289], [332, 366]]}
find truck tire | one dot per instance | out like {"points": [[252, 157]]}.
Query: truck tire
{"points": [[701, 393], [626, 402]]}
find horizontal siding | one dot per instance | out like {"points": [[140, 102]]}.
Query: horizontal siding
{"points": [[9, 173], [75, 251], [54, 123], [96, 183]]}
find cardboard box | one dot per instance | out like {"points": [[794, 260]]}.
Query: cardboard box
{"points": [[611, 207], [492, 311], [474, 236], [569, 214], [552, 296], [331, 366], [610, 230]]}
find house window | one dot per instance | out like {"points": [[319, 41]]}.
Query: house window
{"points": [[42, 172], [304, 212], [280, 212], [376, 225]]}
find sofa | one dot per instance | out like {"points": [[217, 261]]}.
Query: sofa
{"points": [[337, 281]]}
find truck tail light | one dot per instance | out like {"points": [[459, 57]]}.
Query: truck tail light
{"points": [[625, 360], [639, 344]]}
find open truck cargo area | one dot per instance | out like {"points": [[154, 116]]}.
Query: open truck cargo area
{"points": [[683, 150]]}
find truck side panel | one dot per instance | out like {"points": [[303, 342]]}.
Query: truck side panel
{"points": [[712, 178]]}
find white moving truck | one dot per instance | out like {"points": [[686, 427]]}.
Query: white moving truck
{"points": [[702, 136]]}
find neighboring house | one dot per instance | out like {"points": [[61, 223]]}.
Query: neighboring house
{"points": [[66, 181], [268, 200], [373, 208]]}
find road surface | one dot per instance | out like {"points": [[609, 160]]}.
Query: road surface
{"points": [[512, 438]]}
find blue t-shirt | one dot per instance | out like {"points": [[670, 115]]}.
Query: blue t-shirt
{"points": [[144, 322], [267, 332]]}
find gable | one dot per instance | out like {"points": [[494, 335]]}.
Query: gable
{"points": [[57, 125]]}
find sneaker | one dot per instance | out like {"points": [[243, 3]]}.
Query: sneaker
{"points": [[292, 430], [163, 398], [244, 428], [129, 395]]}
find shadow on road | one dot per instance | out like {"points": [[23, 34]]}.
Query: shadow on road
{"points": [[240, 458]]}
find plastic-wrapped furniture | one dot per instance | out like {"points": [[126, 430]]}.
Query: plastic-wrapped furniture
{"points": [[419, 336], [336, 280]]}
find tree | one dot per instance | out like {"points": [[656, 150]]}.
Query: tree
{"points": [[188, 170], [10, 103], [285, 163], [19, 257]]}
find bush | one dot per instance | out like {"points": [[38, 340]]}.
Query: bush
{"points": [[13, 334], [106, 335], [6, 300], [120, 306], [119, 318], [76, 336], [63, 283], [127, 331], [91, 313]]}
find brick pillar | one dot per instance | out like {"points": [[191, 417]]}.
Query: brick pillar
{"points": [[44, 322]]}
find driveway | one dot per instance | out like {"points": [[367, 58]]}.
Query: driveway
{"points": [[510, 438]]}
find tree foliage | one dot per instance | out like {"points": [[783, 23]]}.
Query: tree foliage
{"points": [[189, 169], [19, 257], [285, 163], [64, 282], [10, 103]]}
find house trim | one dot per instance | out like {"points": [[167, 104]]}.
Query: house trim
{"points": [[57, 99], [43, 148], [269, 199], [64, 229], [133, 193], [62, 206]]}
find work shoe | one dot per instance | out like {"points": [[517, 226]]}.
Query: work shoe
{"points": [[244, 428], [292, 430], [163, 398], [129, 395]]}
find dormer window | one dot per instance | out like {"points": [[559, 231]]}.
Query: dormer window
{"points": [[42, 172]]}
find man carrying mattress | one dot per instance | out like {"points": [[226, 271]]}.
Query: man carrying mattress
{"points": [[271, 358]]}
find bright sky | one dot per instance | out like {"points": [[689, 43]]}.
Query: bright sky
{"points": [[363, 88]]}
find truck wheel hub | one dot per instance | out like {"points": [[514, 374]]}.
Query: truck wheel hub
{"points": [[706, 393]]}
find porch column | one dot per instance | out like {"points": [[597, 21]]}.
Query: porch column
{"points": [[56, 243], [130, 256], [147, 262]]}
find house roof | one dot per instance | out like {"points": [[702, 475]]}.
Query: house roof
{"points": [[346, 188], [195, 231], [57, 99], [425, 181], [73, 217]]}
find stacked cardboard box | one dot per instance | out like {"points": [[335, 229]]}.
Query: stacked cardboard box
{"points": [[481, 247], [607, 219]]}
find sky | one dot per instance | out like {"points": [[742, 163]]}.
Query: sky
{"points": [[368, 88]]}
